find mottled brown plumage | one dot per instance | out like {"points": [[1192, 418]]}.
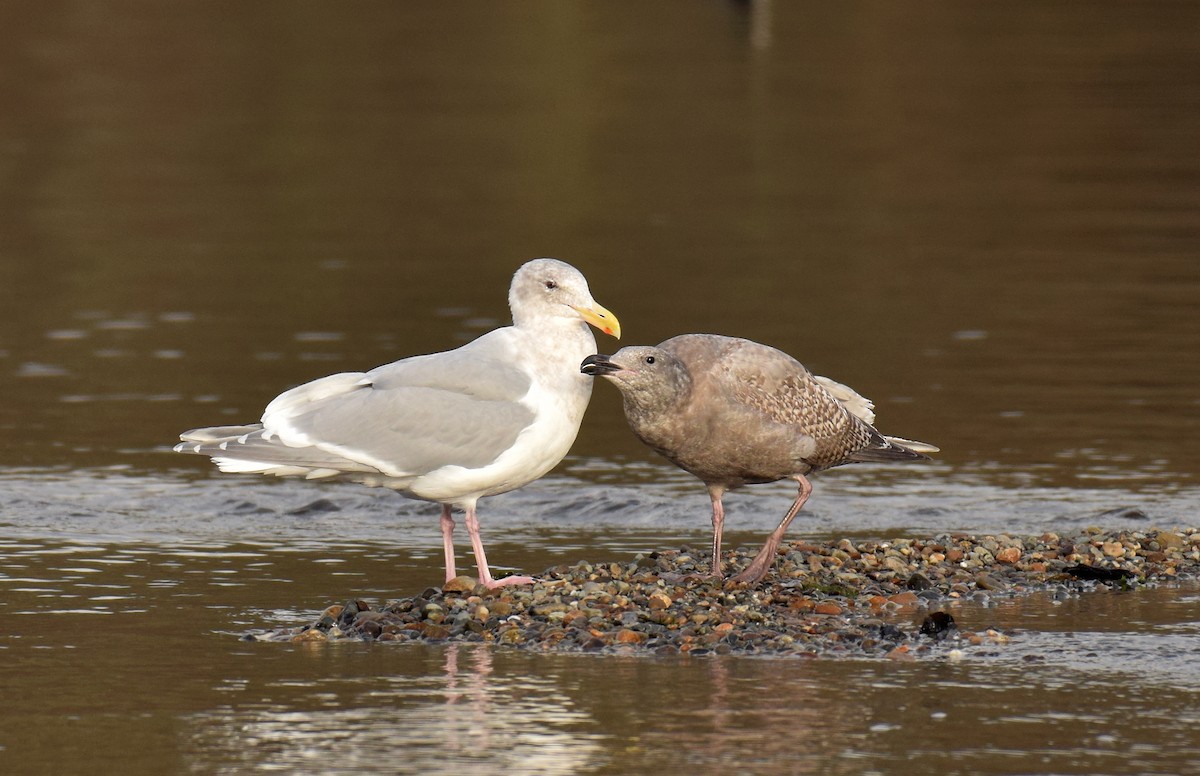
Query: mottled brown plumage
{"points": [[734, 412]]}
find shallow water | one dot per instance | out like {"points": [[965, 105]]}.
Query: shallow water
{"points": [[984, 218], [112, 643]]}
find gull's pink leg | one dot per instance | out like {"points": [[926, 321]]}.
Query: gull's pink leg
{"points": [[718, 523], [448, 541], [485, 573], [761, 564]]}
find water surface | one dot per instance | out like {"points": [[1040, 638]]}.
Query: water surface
{"points": [[984, 217]]}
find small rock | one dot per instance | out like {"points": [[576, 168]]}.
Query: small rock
{"points": [[350, 610], [1008, 555], [801, 604], [938, 625], [1081, 571], [918, 581], [628, 636], [984, 556], [659, 600], [646, 561], [460, 584], [1166, 540], [985, 581]]}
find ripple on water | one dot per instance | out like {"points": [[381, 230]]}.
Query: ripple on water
{"points": [[63, 335], [39, 370]]}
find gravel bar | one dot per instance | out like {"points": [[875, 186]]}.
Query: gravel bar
{"points": [[842, 598]]}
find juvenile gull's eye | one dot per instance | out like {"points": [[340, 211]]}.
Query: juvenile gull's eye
{"points": [[649, 359], [550, 284]]}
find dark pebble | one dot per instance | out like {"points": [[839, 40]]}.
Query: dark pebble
{"points": [[918, 582], [938, 625], [349, 611], [1080, 571]]}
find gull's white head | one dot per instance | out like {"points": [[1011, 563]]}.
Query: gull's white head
{"points": [[551, 288]]}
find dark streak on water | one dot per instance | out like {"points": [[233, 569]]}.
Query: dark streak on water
{"points": [[982, 216]]}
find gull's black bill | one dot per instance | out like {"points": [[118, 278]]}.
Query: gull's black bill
{"points": [[598, 366]]}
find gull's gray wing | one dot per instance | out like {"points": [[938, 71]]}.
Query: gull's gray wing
{"points": [[461, 407]]}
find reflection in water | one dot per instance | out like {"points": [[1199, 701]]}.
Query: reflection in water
{"points": [[488, 709], [426, 722]]}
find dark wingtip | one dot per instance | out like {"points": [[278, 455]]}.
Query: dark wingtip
{"points": [[891, 449]]}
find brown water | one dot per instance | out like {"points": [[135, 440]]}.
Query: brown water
{"points": [[986, 217]]}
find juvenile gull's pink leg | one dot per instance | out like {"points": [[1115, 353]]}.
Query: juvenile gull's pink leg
{"points": [[761, 564], [485, 573], [718, 523]]}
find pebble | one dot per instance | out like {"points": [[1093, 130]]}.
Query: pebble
{"points": [[843, 598], [659, 600], [460, 584], [1009, 555], [986, 581]]}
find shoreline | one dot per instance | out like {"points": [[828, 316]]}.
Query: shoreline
{"points": [[838, 598]]}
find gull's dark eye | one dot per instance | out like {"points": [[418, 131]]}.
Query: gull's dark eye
{"points": [[551, 285], [649, 359]]}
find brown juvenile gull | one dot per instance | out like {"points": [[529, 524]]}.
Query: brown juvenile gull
{"points": [[734, 412], [485, 418]]}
